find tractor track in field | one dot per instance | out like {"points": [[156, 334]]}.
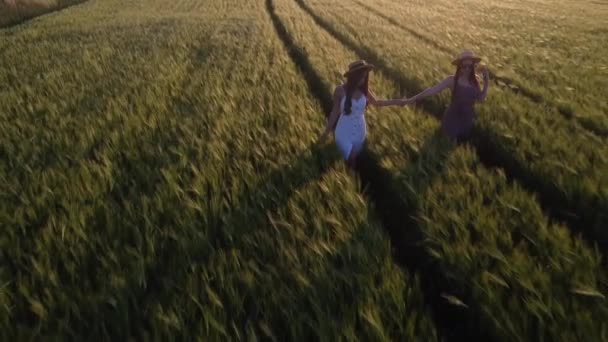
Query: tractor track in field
{"points": [[552, 200], [452, 322], [168, 255], [500, 81]]}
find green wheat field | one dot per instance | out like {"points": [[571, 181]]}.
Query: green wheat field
{"points": [[160, 176]]}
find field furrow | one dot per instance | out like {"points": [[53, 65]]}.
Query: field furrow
{"points": [[494, 264]]}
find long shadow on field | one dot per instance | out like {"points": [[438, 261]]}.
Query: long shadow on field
{"points": [[169, 275], [277, 187], [500, 81], [398, 211], [164, 275], [393, 206], [584, 215]]}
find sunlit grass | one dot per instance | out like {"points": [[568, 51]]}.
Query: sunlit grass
{"points": [[159, 181]]}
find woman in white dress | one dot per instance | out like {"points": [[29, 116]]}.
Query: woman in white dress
{"points": [[350, 101]]}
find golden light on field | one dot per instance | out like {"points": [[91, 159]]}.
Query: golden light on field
{"points": [[162, 175]]}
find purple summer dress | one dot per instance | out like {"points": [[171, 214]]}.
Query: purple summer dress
{"points": [[459, 117]]}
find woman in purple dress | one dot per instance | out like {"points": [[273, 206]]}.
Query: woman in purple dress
{"points": [[460, 115]]}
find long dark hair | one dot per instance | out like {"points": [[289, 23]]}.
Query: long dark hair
{"points": [[352, 84], [472, 78]]}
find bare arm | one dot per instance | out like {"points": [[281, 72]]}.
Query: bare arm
{"points": [[486, 85], [335, 111], [383, 103], [447, 82]]}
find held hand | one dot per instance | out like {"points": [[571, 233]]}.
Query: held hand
{"points": [[407, 101]]}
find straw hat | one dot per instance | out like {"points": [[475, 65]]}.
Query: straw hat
{"points": [[358, 65], [466, 54]]}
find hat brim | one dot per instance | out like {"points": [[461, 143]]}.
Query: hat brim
{"points": [[475, 59], [368, 67]]}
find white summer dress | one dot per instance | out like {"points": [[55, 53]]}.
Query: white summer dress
{"points": [[350, 130]]}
